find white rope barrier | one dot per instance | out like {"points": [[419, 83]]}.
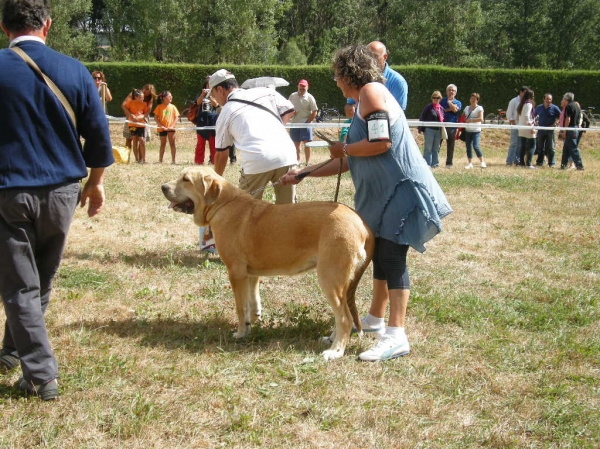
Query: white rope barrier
{"points": [[411, 123]]}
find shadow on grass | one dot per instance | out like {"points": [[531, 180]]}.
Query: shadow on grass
{"points": [[212, 334], [154, 259]]}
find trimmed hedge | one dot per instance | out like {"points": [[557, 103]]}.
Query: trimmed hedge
{"points": [[496, 87]]}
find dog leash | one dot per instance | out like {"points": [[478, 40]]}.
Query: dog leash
{"points": [[339, 178], [301, 176]]}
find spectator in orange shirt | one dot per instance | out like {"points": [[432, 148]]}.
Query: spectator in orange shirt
{"points": [[137, 125], [166, 115]]}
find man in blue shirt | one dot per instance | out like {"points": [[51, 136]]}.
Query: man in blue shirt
{"points": [[42, 163], [452, 107], [394, 82], [547, 114]]}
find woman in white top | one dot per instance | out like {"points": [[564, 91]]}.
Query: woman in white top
{"points": [[525, 117], [473, 114]]}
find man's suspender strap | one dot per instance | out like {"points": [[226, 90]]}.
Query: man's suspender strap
{"points": [[53, 87], [260, 106]]}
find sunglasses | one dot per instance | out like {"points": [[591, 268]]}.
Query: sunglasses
{"points": [[97, 77], [436, 98]]}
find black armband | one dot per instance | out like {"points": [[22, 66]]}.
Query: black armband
{"points": [[378, 126]]}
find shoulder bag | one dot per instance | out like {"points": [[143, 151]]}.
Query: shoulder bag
{"points": [[259, 106], [53, 87]]}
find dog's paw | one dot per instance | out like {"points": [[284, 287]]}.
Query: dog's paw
{"points": [[331, 354], [242, 333]]}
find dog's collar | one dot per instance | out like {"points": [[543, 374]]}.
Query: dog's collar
{"points": [[208, 209]]}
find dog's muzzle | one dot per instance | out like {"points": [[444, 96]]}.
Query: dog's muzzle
{"points": [[187, 206]]}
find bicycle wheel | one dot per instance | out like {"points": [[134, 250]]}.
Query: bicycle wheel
{"points": [[594, 119], [490, 118], [183, 113]]}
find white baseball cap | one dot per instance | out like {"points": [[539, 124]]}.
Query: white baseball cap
{"points": [[218, 77]]}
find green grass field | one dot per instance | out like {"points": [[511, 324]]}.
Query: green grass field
{"points": [[504, 325]]}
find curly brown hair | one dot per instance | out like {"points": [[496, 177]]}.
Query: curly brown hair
{"points": [[358, 65]]}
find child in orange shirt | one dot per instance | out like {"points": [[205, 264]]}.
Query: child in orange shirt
{"points": [[137, 107], [166, 115]]}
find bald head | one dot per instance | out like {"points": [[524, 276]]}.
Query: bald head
{"points": [[379, 49]]}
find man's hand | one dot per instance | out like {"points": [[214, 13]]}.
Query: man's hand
{"points": [[95, 193], [290, 177]]}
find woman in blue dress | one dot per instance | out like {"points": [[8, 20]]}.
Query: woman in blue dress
{"points": [[396, 193]]}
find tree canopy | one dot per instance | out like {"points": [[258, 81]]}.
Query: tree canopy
{"points": [[544, 34]]}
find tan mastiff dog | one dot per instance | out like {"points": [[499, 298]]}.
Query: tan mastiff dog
{"points": [[255, 238]]}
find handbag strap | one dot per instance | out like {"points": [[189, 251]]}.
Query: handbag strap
{"points": [[53, 87], [259, 106]]}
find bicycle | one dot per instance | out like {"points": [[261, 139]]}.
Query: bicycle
{"points": [[497, 118], [594, 118], [327, 114]]}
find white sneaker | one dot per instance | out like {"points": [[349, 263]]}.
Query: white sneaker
{"points": [[483, 165], [469, 167], [386, 348], [376, 331]]}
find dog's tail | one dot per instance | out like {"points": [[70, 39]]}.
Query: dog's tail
{"points": [[351, 302], [369, 247]]}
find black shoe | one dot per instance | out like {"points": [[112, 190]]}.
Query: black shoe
{"points": [[581, 168], [563, 167], [8, 361], [46, 392]]}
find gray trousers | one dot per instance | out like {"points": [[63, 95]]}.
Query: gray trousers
{"points": [[34, 223]]}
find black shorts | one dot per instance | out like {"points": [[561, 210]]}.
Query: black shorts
{"points": [[389, 264], [136, 132], [164, 133]]}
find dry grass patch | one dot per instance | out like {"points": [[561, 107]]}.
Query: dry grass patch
{"points": [[503, 322]]}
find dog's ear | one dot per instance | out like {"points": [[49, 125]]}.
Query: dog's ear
{"points": [[212, 189]]}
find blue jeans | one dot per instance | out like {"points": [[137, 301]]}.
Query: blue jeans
{"points": [[513, 148], [546, 145], [527, 149], [570, 150], [472, 142], [432, 146]]}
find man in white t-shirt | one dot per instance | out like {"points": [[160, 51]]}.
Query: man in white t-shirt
{"points": [[306, 111], [253, 120], [511, 115]]}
